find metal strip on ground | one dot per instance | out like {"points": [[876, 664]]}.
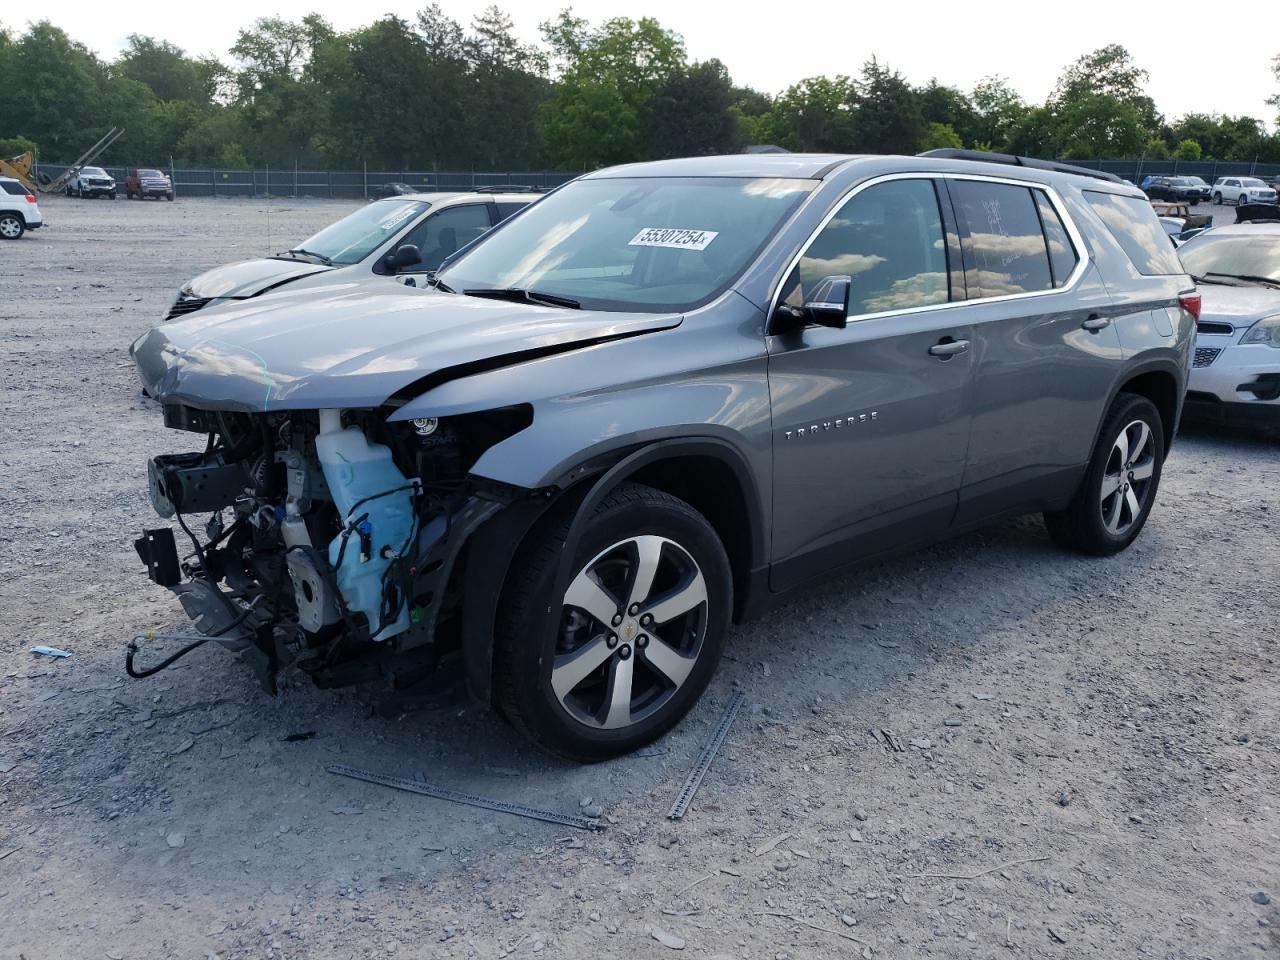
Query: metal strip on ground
{"points": [[453, 796], [700, 768]]}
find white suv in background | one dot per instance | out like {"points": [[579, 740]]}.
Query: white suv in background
{"points": [[1240, 190], [19, 211]]}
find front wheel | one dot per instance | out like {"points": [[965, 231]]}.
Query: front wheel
{"points": [[169, 197], [1120, 483], [1217, 198], [637, 634]]}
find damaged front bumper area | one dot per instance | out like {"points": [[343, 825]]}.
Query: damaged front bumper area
{"points": [[327, 539]]}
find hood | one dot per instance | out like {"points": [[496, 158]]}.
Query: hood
{"points": [[250, 277], [1238, 306], [359, 348]]}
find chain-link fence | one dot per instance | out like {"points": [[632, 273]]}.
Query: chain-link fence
{"points": [[357, 184], [338, 184]]}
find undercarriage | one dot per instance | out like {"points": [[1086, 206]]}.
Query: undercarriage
{"points": [[323, 538]]}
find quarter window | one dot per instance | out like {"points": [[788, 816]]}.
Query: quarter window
{"points": [[1006, 243], [1133, 224], [888, 241]]}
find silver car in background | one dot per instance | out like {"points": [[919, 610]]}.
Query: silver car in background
{"points": [[1235, 376], [403, 237]]}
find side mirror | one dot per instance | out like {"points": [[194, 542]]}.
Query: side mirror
{"points": [[828, 302], [405, 255]]}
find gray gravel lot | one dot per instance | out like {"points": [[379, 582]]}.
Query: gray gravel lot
{"points": [[1089, 758]]}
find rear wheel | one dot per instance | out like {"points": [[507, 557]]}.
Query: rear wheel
{"points": [[637, 634], [1119, 487], [11, 226]]}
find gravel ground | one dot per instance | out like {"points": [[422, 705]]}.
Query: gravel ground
{"points": [[1087, 757]]}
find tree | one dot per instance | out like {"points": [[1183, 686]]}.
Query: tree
{"points": [[508, 85], [940, 136], [950, 107], [51, 90], [692, 113], [611, 75], [1187, 150], [816, 115], [165, 70], [997, 111], [889, 119], [1108, 75]]}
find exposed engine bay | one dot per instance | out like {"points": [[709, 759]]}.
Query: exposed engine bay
{"points": [[331, 538]]}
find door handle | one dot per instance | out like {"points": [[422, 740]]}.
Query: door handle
{"points": [[946, 349], [1096, 323]]}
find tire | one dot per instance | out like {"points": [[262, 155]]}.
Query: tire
{"points": [[1098, 523], [1242, 199], [169, 197], [573, 715], [12, 226], [1217, 198], [112, 194]]}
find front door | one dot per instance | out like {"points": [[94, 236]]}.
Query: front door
{"points": [[870, 422]]}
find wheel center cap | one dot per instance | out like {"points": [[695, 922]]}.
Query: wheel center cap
{"points": [[628, 630]]}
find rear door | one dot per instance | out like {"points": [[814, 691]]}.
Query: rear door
{"points": [[870, 422], [1045, 351]]}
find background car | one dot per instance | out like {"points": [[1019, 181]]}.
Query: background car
{"points": [[143, 182], [92, 182], [1242, 190], [1175, 189], [1235, 373], [407, 236], [19, 211]]}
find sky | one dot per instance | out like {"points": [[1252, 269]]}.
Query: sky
{"points": [[1208, 72]]}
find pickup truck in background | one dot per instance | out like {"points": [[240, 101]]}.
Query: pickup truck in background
{"points": [[143, 182]]}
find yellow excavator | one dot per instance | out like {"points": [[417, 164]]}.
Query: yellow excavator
{"points": [[23, 166]]}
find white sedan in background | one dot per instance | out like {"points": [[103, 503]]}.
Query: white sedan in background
{"points": [[1235, 375]]}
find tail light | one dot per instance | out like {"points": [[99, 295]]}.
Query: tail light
{"points": [[31, 198], [1190, 302]]}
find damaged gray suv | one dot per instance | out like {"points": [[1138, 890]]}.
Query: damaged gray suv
{"points": [[656, 402]]}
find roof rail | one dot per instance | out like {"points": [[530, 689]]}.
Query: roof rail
{"points": [[507, 188], [982, 156]]}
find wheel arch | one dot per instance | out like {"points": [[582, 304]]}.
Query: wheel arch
{"points": [[706, 472], [1162, 386]]}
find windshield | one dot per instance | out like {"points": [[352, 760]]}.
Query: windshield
{"points": [[1252, 182], [654, 244], [1182, 181], [93, 171], [1234, 255], [150, 173], [353, 238]]}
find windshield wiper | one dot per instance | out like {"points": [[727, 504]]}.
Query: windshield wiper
{"points": [[1207, 280], [311, 253], [519, 295], [1247, 277], [435, 283]]}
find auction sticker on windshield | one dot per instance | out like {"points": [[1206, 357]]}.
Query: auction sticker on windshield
{"points": [[399, 217], [671, 237]]}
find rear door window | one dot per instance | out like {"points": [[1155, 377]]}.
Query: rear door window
{"points": [[1006, 245], [509, 209], [1137, 229]]}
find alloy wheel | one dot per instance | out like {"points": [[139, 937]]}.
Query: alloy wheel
{"points": [[631, 630], [10, 228], [1126, 481]]}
